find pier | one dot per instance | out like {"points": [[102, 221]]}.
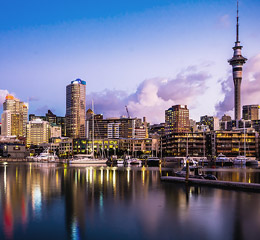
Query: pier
{"points": [[255, 187]]}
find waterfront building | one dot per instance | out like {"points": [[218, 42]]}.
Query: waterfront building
{"points": [[76, 109], [251, 112], [184, 144], [177, 119], [105, 147], [231, 143], [66, 147], [18, 114], [13, 150], [138, 147], [237, 62], [37, 132]]}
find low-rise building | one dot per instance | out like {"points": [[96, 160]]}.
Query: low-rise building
{"points": [[37, 132]]}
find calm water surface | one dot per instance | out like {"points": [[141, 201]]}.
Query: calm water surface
{"points": [[45, 201]]}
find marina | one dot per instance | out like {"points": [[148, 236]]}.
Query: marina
{"points": [[76, 202]]}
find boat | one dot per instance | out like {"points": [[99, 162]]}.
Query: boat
{"points": [[192, 162], [223, 160], [153, 161], [132, 161], [45, 156], [195, 174], [86, 159], [240, 160]]}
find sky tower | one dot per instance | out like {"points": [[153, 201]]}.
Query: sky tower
{"points": [[237, 62]]}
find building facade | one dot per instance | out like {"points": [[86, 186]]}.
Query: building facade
{"points": [[251, 112], [110, 128], [185, 144], [177, 119], [6, 123], [37, 132], [234, 143], [76, 109], [18, 112], [210, 121]]}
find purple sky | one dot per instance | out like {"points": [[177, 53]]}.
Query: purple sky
{"points": [[147, 55]]}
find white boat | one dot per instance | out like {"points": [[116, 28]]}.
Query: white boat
{"points": [[222, 159], [192, 162], [240, 160], [133, 161], [86, 159], [45, 156]]}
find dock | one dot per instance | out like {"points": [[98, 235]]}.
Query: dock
{"points": [[255, 187]]}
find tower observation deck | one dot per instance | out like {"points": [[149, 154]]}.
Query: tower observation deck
{"points": [[237, 62]]}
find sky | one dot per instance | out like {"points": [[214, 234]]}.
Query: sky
{"points": [[146, 54]]}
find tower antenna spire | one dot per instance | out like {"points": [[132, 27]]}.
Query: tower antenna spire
{"points": [[237, 40]]}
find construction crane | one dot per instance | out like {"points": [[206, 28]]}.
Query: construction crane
{"points": [[128, 115]]}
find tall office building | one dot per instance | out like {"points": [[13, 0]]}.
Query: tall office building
{"points": [[76, 109], [6, 123], [237, 62], [18, 114], [177, 119], [251, 112]]}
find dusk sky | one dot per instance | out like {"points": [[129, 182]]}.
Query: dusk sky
{"points": [[147, 54]]}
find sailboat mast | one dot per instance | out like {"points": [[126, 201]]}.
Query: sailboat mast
{"points": [[244, 138], [93, 128]]}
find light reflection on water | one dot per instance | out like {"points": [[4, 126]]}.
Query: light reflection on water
{"points": [[121, 203]]}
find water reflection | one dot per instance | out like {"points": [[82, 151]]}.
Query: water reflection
{"points": [[109, 202]]}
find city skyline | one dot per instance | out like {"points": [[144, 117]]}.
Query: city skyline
{"points": [[181, 63]]}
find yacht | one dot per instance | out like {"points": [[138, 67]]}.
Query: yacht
{"points": [[240, 160], [86, 159], [192, 162], [222, 159], [45, 156], [133, 161]]}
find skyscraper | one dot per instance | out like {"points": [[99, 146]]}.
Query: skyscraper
{"points": [[76, 109], [237, 62], [18, 116], [177, 119]]}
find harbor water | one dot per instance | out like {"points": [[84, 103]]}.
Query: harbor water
{"points": [[57, 201]]}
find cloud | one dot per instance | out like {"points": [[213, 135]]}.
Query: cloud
{"points": [[250, 87], [109, 102], [154, 96], [3, 94]]}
